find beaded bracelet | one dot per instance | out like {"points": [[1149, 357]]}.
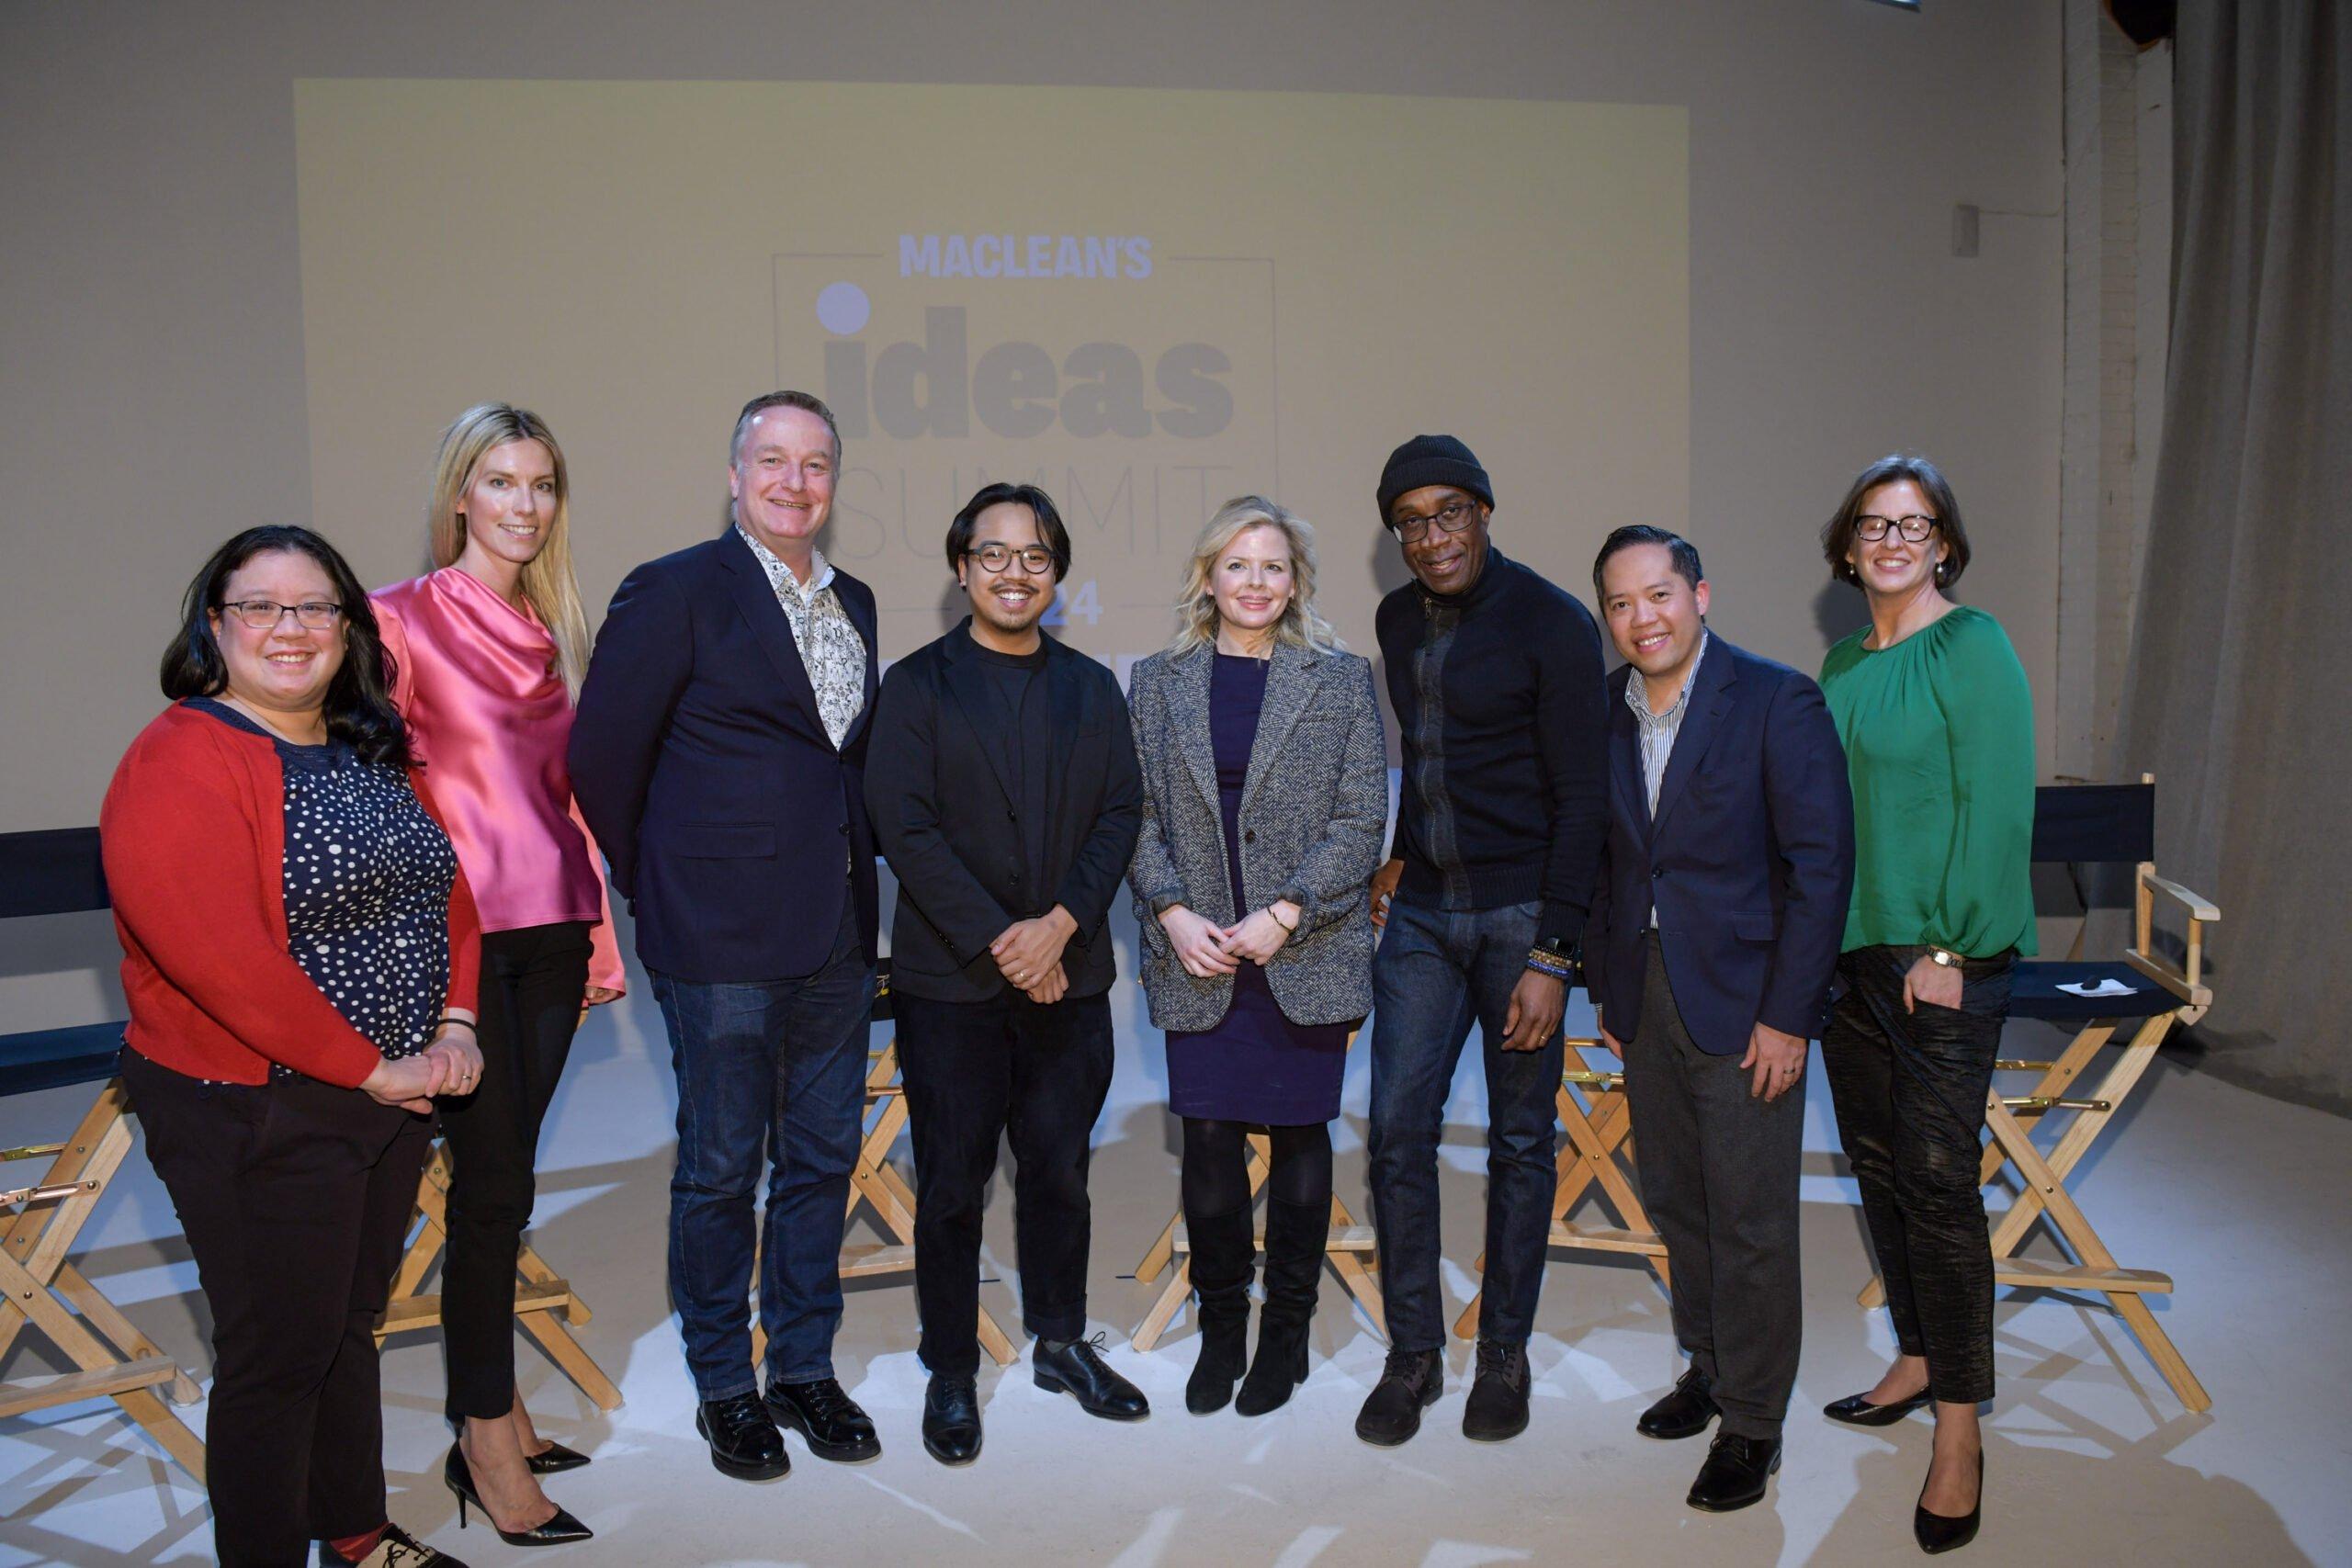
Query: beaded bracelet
{"points": [[1544, 961]]}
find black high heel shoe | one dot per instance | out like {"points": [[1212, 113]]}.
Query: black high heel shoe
{"points": [[560, 1530], [1856, 1409], [555, 1460], [1941, 1532]]}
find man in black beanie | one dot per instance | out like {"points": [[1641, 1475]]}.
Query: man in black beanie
{"points": [[1497, 683]]}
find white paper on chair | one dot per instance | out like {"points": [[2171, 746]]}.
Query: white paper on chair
{"points": [[2108, 986]]}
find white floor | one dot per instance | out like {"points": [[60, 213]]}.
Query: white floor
{"points": [[2091, 1458]]}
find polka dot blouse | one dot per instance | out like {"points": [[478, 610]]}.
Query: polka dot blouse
{"points": [[368, 878]]}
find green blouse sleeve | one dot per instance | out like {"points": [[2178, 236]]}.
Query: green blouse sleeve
{"points": [[1985, 903]]}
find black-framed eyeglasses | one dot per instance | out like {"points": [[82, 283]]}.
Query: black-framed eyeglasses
{"points": [[1911, 525], [1036, 560], [263, 614], [1450, 518]]}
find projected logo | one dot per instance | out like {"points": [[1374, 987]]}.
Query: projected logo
{"points": [[1134, 387]]}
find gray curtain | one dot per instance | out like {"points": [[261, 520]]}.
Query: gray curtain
{"points": [[2240, 696]]}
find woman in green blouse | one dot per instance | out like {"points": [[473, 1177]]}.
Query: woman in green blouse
{"points": [[1937, 722]]}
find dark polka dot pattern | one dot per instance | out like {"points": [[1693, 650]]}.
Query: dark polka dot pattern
{"points": [[367, 879]]}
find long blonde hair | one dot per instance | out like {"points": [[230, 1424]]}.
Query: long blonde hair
{"points": [[547, 583], [1196, 615]]}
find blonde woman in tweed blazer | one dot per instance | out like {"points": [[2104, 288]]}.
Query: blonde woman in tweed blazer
{"points": [[1265, 805]]}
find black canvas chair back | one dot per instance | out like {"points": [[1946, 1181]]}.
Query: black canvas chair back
{"points": [[47, 875], [55, 871]]}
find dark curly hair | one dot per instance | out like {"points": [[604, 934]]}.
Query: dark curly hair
{"points": [[1838, 533], [358, 707]]}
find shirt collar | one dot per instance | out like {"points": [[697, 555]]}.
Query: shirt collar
{"points": [[820, 575], [1637, 692]]}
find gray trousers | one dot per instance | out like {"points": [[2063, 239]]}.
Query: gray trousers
{"points": [[1719, 1176]]}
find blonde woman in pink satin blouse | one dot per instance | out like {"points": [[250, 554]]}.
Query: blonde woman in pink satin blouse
{"points": [[486, 653]]}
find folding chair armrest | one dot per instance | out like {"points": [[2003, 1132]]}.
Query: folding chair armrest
{"points": [[2198, 906]]}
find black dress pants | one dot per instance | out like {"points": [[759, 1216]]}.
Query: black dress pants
{"points": [[534, 981], [1909, 1088], [294, 1197], [976, 1073], [1719, 1172]]}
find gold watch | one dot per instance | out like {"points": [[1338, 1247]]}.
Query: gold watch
{"points": [[1945, 957]]}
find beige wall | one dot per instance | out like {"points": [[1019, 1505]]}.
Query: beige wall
{"points": [[152, 353]]}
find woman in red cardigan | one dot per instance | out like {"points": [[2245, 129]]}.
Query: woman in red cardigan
{"points": [[300, 954], [485, 655]]}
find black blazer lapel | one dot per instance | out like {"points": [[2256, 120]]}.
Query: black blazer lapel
{"points": [[1711, 698], [1289, 683], [863, 616], [755, 599], [966, 687], [1625, 758]]}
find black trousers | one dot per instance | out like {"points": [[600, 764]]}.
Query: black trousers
{"points": [[976, 1073], [534, 981], [1909, 1088], [294, 1198], [1719, 1172]]}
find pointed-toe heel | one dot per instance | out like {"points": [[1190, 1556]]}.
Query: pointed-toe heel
{"points": [[1941, 1532], [560, 1530]]}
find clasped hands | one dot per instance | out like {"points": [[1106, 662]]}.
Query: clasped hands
{"points": [[1207, 950], [450, 1064], [1029, 955]]}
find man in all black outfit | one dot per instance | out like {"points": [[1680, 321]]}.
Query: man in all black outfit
{"points": [[1716, 929], [1003, 783], [1495, 678]]}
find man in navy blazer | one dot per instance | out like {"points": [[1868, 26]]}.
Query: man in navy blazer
{"points": [[1710, 955], [718, 757]]}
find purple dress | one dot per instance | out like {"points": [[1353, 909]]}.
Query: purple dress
{"points": [[1256, 1065]]}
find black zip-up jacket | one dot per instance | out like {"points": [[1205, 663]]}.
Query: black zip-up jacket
{"points": [[1501, 705]]}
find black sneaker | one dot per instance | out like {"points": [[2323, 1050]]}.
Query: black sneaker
{"points": [[1408, 1385], [1497, 1410]]}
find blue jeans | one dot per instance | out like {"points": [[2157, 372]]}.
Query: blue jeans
{"points": [[1435, 973], [773, 1068]]}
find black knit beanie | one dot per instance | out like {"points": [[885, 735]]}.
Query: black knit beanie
{"points": [[1432, 460]]}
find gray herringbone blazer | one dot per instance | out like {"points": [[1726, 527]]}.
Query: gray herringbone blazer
{"points": [[1314, 819]]}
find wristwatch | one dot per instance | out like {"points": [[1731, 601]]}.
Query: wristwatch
{"points": [[1945, 957]]}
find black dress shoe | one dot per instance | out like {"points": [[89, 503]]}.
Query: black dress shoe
{"points": [[1684, 1412], [1735, 1473], [1409, 1384], [554, 1460], [1856, 1410], [1941, 1532], [836, 1428], [1497, 1410], [458, 1477], [950, 1420], [1075, 1367], [743, 1440]]}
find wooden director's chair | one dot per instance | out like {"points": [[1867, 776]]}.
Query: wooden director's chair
{"points": [[54, 873], [546, 1308], [1595, 1162], [2082, 825], [1350, 1251], [875, 1183]]}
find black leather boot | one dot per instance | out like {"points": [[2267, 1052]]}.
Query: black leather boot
{"points": [[1223, 1254], [1296, 1234]]}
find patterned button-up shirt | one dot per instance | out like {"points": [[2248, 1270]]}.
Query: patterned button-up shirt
{"points": [[830, 647], [1658, 731]]}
